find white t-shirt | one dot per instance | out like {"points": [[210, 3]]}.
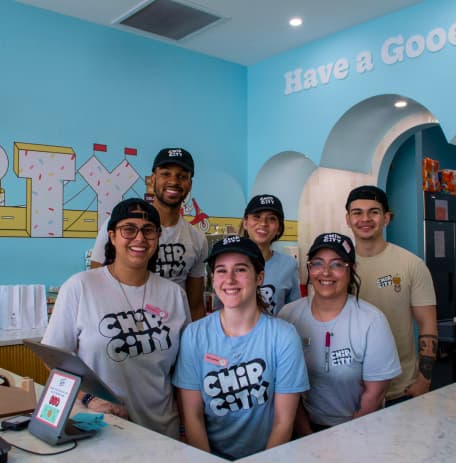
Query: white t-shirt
{"points": [[361, 348], [181, 254], [132, 348]]}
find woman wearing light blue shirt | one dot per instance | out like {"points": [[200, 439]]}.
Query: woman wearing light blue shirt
{"points": [[240, 371], [263, 223]]}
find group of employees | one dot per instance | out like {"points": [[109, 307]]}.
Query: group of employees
{"points": [[268, 366]]}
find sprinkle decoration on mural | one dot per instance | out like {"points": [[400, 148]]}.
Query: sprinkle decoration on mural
{"points": [[47, 169]]}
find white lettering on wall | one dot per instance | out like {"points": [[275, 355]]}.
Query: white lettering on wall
{"points": [[293, 81], [436, 40], [364, 62], [394, 50]]}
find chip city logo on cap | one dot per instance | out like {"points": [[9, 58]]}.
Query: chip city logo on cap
{"points": [[339, 239], [175, 152], [179, 156], [332, 238], [266, 200], [231, 239]]}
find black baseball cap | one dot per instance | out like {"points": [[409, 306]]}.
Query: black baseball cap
{"points": [[237, 244], [177, 156], [342, 245], [126, 210], [368, 192], [264, 203]]}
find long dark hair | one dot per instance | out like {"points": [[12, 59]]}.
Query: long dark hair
{"points": [[354, 284]]}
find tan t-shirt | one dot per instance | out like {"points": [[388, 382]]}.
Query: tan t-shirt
{"points": [[395, 281]]}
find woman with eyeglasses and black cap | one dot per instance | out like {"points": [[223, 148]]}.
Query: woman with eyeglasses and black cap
{"points": [[350, 351], [264, 223], [240, 372], [125, 321]]}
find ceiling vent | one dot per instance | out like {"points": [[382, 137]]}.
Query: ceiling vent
{"points": [[170, 19]]}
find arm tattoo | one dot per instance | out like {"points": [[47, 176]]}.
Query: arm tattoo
{"points": [[427, 352], [426, 366]]}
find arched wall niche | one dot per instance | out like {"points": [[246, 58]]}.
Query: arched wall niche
{"points": [[284, 175], [359, 150]]}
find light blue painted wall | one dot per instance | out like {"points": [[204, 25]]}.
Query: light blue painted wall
{"points": [[402, 181], [302, 121], [70, 83], [66, 82]]}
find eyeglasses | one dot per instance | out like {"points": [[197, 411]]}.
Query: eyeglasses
{"points": [[130, 232], [319, 266]]}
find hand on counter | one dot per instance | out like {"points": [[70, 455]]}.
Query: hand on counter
{"points": [[419, 387], [103, 406]]}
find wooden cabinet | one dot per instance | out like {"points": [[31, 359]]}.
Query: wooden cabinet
{"points": [[19, 359]]}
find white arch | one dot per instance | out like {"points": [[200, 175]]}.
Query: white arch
{"points": [[356, 153], [284, 175]]}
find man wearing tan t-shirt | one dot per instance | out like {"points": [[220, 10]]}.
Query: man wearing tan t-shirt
{"points": [[400, 285]]}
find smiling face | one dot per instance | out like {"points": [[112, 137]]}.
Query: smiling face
{"points": [[171, 184], [262, 227], [367, 219], [235, 280], [134, 252], [329, 275]]}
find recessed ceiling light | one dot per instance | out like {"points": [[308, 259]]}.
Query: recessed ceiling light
{"points": [[400, 104], [295, 22]]}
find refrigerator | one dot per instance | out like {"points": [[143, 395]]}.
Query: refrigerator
{"points": [[440, 254]]}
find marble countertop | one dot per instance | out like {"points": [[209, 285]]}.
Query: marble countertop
{"points": [[421, 430], [13, 337]]}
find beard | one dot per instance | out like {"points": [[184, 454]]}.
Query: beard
{"points": [[173, 203]]}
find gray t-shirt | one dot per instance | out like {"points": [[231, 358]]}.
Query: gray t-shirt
{"points": [[361, 347], [181, 254], [130, 337]]}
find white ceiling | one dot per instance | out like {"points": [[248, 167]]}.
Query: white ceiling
{"points": [[251, 31]]}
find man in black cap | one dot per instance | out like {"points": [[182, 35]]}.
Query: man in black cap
{"points": [[183, 248], [398, 283]]}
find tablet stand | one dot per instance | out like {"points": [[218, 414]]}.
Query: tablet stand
{"points": [[50, 421]]}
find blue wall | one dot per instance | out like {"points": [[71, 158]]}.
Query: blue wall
{"points": [[70, 83], [301, 121], [402, 181]]}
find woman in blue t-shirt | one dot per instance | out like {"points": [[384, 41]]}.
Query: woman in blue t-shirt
{"points": [[263, 223], [240, 371]]}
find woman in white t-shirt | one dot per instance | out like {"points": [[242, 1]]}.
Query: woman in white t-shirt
{"points": [[350, 351], [125, 321]]}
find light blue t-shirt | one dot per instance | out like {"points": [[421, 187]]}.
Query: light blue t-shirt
{"points": [[281, 282], [238, 377], [361, 348]]}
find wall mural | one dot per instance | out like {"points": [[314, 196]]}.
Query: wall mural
{"points": [[47, 169]]}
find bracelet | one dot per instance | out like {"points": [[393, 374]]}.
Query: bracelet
{"points": [[86, 399]]}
